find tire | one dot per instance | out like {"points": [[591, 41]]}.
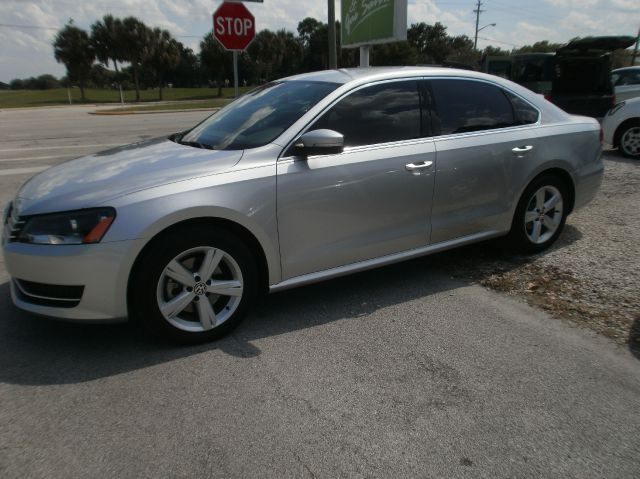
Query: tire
{"points": [[629, 143], [193, 285], [540, 215]]}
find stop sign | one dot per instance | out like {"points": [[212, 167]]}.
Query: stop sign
{"points": [[233, 26]]}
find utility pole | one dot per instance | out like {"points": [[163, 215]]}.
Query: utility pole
{"points": [[477, 11], [333, 62]]}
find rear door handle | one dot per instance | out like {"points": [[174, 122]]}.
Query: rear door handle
{"points": [[416, 167], [522, 149]]}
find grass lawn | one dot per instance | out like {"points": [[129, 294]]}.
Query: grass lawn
{"points": [[58, 96]]}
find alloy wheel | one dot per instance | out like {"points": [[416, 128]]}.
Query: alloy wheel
{"points": [[543, 214], [199, 289]]}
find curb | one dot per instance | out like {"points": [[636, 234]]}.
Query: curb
{"points": [[133, 112]]}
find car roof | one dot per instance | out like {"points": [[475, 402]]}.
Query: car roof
{"points": [[349, 75]]}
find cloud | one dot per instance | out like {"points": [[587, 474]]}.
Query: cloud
{"points": [[573, 3]]}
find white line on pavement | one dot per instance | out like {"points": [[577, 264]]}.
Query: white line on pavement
{"points": [[21, 171], [60, 147]]}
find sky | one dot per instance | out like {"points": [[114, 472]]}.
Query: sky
{"points": [[27, 27]]}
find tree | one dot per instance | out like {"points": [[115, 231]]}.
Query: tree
{"points": [[434, 45], [187, 72], [491, 51], [539, 47], [275, 54], [393, 54], [161, 54], [214, 59], [314, 36], [72, 47], [135, 38], [106, 39], [16, 84]]}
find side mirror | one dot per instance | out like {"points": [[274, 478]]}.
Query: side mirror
{"points": [[319, 142]]}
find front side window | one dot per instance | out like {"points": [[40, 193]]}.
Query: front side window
{"points": [[462, 106], [376, 114], [258, 117]]}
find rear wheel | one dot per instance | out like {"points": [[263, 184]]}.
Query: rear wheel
{"points": [[630, 140], [193, 285], [540, 215]]}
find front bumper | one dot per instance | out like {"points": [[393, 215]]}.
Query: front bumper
{"points": [[101, 270]]}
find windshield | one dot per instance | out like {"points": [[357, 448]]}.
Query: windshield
{"points": [[258, 117]]}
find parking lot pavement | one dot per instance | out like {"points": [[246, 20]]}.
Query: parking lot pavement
{"points": [[398, 372], [35, 138]]}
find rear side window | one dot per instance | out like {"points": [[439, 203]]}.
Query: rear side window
{"points": [[524, 113], [461, 106], [376, 114]]}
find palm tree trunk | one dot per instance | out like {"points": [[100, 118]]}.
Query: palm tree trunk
{"points": [[135, 79], [115, 65], [82, 97]]}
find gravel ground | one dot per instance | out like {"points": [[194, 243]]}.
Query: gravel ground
{"points": [[591, 275]]}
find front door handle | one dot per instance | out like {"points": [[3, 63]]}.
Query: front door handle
{"points": [[522, 149], [416, 167]]}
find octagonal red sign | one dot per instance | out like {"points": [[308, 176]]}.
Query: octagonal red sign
{"points": [[234, 26]]}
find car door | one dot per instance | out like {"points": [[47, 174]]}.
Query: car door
{"points": [[482, 140], [371, 200]]}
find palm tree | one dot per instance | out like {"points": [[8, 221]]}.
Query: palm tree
{"points": [[73, 48], [161, 55], [134, 37], [215, 59], [106, 40]]}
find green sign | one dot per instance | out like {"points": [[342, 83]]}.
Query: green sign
{"points": [[365, 22]]}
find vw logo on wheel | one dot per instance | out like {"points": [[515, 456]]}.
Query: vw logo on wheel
{"points": [[200, 288]]}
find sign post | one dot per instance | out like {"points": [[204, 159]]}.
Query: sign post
{"points": [[367, 22], [234, 27]]}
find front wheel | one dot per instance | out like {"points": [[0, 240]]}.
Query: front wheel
{"points": [[193, 285], [540, 215]]}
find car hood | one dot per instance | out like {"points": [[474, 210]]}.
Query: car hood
{"points": [[92, 180]]}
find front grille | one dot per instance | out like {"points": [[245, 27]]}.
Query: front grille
{"points": [[60, 296]]}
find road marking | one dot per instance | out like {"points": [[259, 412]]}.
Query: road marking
{"points": [[30, 158], [21, 171], [60, 147]]}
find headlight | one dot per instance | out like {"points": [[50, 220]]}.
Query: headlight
{"points": [[616, 107], [72, 227]]}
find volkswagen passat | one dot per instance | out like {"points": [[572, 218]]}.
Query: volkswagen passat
{"points": [[303, 179]]}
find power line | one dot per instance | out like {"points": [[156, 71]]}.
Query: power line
{"points": [[498, 41]]}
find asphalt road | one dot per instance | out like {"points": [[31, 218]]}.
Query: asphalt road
{"points": [[397, 372]]}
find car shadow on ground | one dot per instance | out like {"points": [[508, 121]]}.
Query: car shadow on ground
{"points": [[634, 338], [616, 156], [40, 351]]}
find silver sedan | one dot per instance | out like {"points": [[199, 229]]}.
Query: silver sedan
{"points": [[300, 180]]}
